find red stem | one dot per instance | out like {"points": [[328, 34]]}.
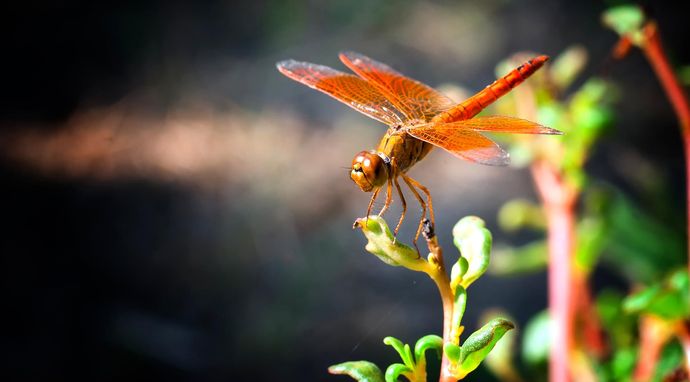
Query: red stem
{"points": [[654, 334], [559, 200], [654, 51], [588, 318]]}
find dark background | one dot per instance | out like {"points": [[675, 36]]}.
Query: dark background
{"points": [[173, 208]]}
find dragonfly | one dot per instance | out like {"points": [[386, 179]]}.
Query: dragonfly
{"points": [[419, 118]]}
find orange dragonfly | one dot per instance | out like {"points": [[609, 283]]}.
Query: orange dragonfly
{"points": [[418, 118]]}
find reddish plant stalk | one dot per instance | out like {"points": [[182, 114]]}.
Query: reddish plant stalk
{"points": [[654, 334], [654, 51], [440, 277], [559, 202], [588, 318]]}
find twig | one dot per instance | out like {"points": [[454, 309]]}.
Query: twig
{"points": [[654, 51], [653, 336], [442, 281]]}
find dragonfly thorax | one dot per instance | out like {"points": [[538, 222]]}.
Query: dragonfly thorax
{"points": [[370, 170]]}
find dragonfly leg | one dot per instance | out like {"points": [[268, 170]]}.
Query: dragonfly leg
{"points": [[404, 206], [426, 192], [409, 181], [371, 202], [389, 196]]}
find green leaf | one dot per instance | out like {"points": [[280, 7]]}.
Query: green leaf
{"points": [[536, 339], [670, 360], [591, 239], [425, 343], [458, 271], [402, 349], [478, 345], [452, 351], [566, 67], [620, 326], [385, 247], [669, 300], [473, 241], [529, 258], [500, 360], [394, 371], [520, 213], [624, 19], [362, 371], [458, 311], [623, 364]]}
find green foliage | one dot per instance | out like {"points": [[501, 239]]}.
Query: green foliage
{"points": [[671, 358], [500, 360], [474, 243], [641, 245], [529, 258], [536, 339], [385, 247], [619, 324], [626, 20], [478, 345], [362, 371], [519, 213], [669, 299]]}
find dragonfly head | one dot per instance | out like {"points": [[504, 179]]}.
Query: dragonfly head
{"points": [[370, 170]]}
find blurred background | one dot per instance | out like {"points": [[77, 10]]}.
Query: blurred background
{"points": [[173, 208]]}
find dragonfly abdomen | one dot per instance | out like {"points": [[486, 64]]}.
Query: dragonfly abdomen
{"points": [[473, 105]]}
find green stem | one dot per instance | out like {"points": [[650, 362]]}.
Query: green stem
{"points": [[440, 277]]}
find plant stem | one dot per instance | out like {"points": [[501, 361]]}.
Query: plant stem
{"points": [[559, 201], [588, 318], [654, 51], [442, 281], [654, 334]]}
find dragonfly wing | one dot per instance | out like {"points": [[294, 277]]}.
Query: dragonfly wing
{"points": [[464, 143], [413, 98], [346, 88], [501, 124]]}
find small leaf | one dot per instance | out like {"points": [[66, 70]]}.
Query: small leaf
{"points": [[362, 371], [519, 213], [668, 300], [394, 371], [623, 364], [528, 258], [459, 305], [624, 19], [536, 339], [478, 345], [385, 247], [566, 67], [402, 349], [591, 240], [473, 241], [458, 271], [425, 343], [619, 325], [452, 351], [500, 360]]}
